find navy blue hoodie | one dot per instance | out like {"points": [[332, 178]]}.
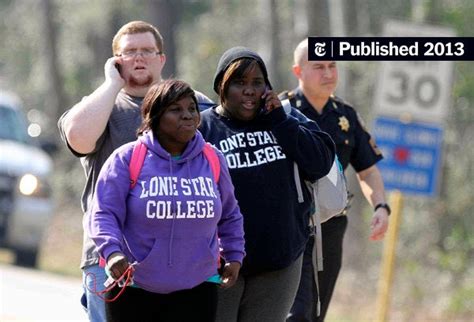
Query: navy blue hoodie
{"points": [[260, 155]]}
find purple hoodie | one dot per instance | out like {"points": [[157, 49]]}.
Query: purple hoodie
{"points": [[170, 221]]}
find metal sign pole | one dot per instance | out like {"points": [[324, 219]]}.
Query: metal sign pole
{"points": [[388, 261]]}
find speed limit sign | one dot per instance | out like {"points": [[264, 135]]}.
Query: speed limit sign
{"points": [[420, 89]]}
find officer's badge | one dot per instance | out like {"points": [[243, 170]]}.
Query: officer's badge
{"points": [[344, 123]]}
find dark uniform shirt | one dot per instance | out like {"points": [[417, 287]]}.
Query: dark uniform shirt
{"points": [[354, 145]]}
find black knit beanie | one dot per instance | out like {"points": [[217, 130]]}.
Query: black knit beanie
{"points": [[230, 56]]}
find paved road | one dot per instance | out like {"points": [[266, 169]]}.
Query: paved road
{"points": [[31, 295]]}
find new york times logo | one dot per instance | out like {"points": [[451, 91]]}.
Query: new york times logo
{"points": [[319, 49], [391, 48]]}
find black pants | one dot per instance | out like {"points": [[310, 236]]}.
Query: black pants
{"points": [[135, 304], [304, 307]]}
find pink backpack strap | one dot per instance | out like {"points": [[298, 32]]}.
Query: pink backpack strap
{"points": [[136, 162], [213, 159], [102, 262]]}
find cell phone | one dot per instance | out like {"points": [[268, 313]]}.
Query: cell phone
{"points": [[119, 68], [263, 100], [262, 105]]}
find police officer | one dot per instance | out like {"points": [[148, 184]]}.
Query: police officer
{"points": [[317, 81]]}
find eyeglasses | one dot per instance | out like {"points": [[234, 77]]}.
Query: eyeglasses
{"points": [[146, 53]]}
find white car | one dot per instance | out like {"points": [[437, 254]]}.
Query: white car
{"points": [[26, 204]]}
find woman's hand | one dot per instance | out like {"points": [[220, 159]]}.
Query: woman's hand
{"points": [[230, 274], [271, 101], [117, 264]]}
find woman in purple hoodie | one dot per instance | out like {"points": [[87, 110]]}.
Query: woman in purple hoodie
{"points": [[170, 225]]}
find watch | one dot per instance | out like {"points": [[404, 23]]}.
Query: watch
{"points": [[383, 205]]}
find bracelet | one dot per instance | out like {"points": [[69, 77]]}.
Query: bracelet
{"points": [[383, 205]]}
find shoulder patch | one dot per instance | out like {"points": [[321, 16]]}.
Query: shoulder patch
{"points": [[372, 143], [374, 146]]}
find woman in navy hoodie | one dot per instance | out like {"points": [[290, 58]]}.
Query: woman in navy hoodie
{"points": [[169, 223], [261, 143]]}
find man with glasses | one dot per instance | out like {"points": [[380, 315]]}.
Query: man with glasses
{"points": [[108, 118]]}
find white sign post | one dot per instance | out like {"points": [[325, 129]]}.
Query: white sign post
{"points": [[417, 89]]}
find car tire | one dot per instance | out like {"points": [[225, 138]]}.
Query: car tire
{"points": [[26, 258]]}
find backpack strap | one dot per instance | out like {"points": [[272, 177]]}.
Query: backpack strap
{"points": [[286, 104], [139, 153], [213, 160], [102, 262], [315, 219], [298, 184], [136, 162], [215, 165]]}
